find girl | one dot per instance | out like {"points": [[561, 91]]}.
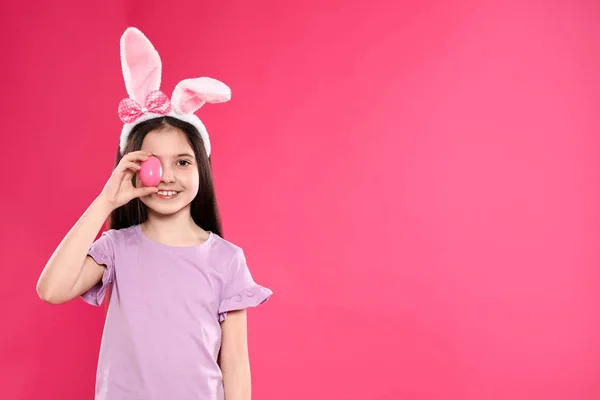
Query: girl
{"points": [[176, 323]]}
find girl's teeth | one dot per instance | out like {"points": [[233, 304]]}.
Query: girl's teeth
{"points": [[163, 193]]}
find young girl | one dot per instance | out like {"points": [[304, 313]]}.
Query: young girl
{"points": [[176, 323]]}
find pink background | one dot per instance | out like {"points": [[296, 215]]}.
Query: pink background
{"points": [[416, 181]]}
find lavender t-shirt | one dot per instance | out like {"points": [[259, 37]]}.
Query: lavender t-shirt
{"points": [[162, 334]]}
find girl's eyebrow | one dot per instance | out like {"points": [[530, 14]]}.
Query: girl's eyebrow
{"points": [[176, 156], [183, 155]]}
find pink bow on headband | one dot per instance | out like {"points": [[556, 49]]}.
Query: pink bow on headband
{"points": [[156, 102]]}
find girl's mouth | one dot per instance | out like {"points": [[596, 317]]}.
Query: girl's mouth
{"points": [[166, 194]]}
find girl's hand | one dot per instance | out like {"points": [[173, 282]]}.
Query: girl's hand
{"points": [[119, 189]]}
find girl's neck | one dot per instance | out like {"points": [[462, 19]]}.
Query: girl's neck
{"points": [[175, 230]]}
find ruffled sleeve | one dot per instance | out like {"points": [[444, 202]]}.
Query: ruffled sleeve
{"points": [[102, 251], [241, 291]]}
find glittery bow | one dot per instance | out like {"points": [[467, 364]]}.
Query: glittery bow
{"points": [[156, 102]]}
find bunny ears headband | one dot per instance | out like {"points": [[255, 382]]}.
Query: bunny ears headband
{"points": [[142, 70]]}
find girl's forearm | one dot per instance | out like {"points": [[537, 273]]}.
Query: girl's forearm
{"points": [[64, 266], [237, 381]]}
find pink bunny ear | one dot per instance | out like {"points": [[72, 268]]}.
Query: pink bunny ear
{"points": [[141, 65], [191, 94]]}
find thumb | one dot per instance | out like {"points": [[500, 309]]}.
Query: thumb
{"points": [[145, 191]]}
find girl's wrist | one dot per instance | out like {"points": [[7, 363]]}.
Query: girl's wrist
{"points": [[103, 205]]}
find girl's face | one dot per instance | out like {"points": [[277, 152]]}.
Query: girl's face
{"points": [[180, 179]]}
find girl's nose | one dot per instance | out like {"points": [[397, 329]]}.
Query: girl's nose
{"points": [[168, 176]]}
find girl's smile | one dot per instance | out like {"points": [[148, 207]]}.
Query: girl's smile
{"points": [[166, 194]]}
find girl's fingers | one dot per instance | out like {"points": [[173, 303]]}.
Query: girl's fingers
{"points": [[136, 156], [144, 191], [131, 166], [128, 169]]}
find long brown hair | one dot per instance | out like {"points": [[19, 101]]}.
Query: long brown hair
{"points": [[204, 209]]}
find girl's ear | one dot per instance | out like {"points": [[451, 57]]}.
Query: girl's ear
{"points": [[141, 65], [191, 94]]}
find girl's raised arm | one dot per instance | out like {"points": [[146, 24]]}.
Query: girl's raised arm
{"points": [[70, 272]]}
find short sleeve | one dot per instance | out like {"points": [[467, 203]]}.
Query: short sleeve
{"points": [[102, 251], [241, 291]]}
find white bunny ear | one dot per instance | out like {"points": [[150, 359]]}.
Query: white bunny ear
{"points": [[141, 65], [191, 94]]}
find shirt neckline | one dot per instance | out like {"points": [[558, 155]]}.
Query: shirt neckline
{"points": [[211, 235]]}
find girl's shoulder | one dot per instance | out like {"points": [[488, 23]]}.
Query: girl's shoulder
{"points": [[112, 238], [223, 247], [119, 234]]}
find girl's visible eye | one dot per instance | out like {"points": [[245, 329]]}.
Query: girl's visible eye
{"points": [[183, 163]]}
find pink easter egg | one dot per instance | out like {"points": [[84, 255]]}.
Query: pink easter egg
{"points": [[151, 172]]}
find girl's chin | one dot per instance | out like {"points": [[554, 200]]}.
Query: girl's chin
{"points": [[166, 206]]}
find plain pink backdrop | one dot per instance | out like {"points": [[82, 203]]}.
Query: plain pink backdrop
{"points": [[416, 181]]}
